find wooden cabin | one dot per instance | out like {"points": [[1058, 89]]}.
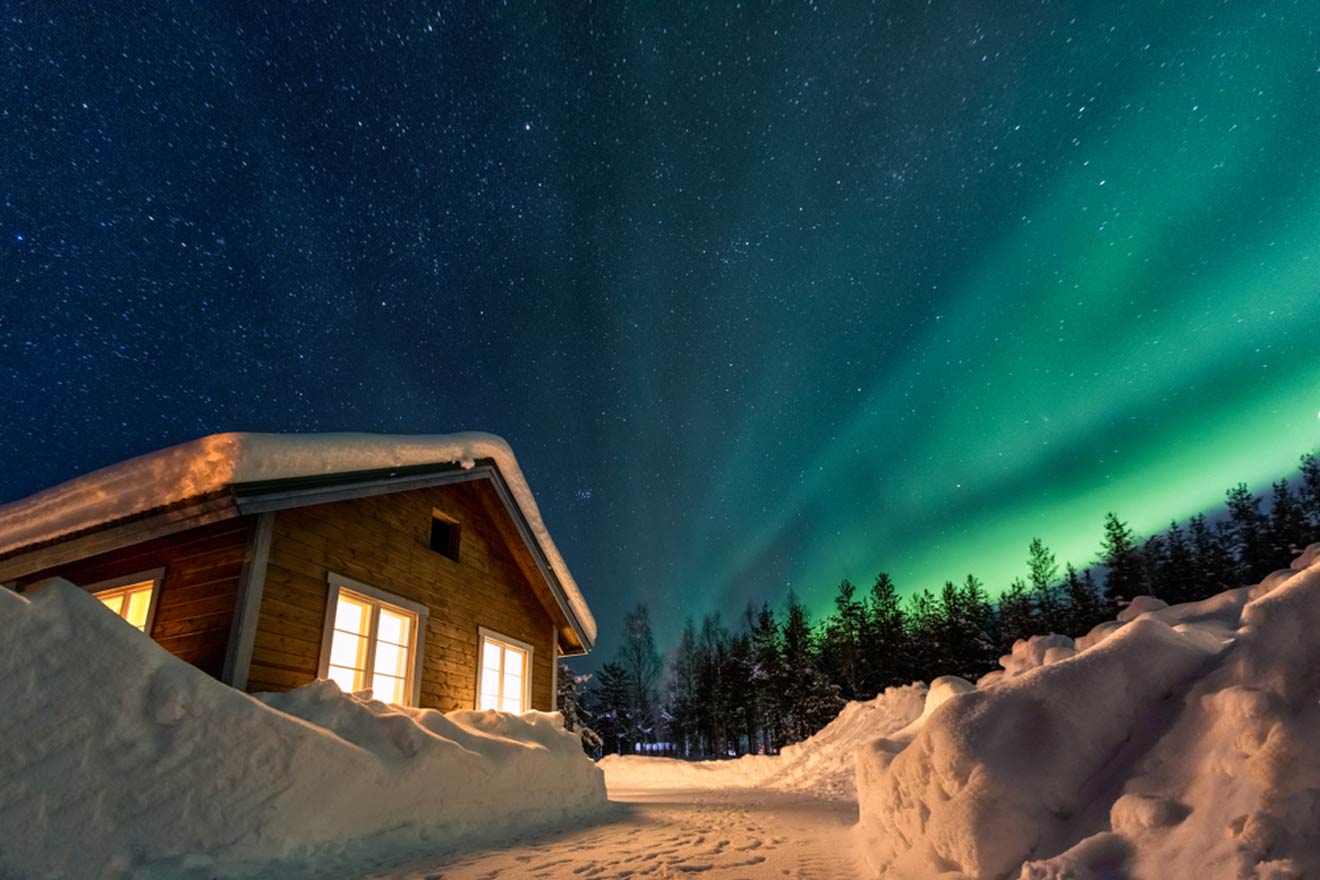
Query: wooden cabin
{"points": [[416, 567]]}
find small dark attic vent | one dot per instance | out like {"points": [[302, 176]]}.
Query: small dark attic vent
{"points": [[444, 536]]}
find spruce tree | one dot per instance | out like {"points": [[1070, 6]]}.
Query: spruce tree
{"points": [[810, 700], [1213, 568], [1249, 531], [684, 704], [767, 679], [1082, 603], [1310, 490], [641, 665], [1017, 616], [842, 645], [1152, 566], [609, 704], [1176, 576], [1118, 553], [1288, 529], [886, 649], [1042, 573]]}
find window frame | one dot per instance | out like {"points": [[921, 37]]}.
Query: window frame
{"points": [[335, 583], [484, 633], [155, 575]]}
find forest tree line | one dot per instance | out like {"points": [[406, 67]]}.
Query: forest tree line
{"points": [[775, 676]]}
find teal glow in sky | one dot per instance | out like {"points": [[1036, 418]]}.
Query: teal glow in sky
{"points": [[762, 296]]}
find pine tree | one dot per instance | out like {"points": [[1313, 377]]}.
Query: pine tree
{"points": [[1310, 490], [924, 636], [1175, 578], [1249, 533], [980, 626], [1083, 604], [641, 666], [1118, 553], [684, 705], [1152, 566], [767, 679], [609, 701], [571, 698], [1213, 568], [844, 631], [886, 647], [1042, 573], [1288, 529], [1017, 615], [810, 700]]}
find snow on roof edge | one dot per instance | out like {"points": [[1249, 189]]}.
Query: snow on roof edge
{"points": [[211, 463]]}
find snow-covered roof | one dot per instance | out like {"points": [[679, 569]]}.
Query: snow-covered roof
{"points": [[211, 464]]}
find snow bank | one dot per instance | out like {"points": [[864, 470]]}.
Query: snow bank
{"points": [[821, 765], [1177, 742], [210, 464], [118, 759]]}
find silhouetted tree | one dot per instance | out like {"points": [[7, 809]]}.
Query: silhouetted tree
{"points": [[1289, 531], [1042, 574], [1249, 532], [888, 655], [1118, 553]]}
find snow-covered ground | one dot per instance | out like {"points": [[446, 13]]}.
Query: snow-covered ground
{"points": [[118, 759], [1172, 743], [822, 766]]}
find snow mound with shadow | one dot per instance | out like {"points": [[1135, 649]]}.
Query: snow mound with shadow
{"points": [[1178, 742], [118, 759]]}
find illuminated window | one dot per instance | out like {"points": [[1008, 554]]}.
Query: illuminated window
{"points": [[505, 674], [132, 598], [372, 641]]}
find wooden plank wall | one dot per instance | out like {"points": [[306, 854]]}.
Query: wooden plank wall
{"points": [[196, 605], [384, 541]]}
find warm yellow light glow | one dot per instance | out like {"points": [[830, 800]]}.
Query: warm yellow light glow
{"points": [[503, 677], [132, 602], [372, 647]]}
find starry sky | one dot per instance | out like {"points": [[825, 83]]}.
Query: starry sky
{"points": [[763, 294]]}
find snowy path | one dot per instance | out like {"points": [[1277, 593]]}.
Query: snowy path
{"points": [[738, 833]]}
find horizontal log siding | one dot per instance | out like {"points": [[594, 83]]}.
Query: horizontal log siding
{"points": [[384, 541], [196, 606]]}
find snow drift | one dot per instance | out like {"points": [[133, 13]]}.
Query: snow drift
{"points": [[1176, 742], [821, 765], [116, 758]]}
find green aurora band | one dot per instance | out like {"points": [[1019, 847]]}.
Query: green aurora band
{"points": [[1138, 340]]}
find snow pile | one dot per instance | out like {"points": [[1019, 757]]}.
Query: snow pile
{"points": [[210, 464], [821, 765], [118, 759], [1177, 742]]}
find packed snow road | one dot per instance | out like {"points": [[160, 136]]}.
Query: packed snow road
{"points": [[731, 833]]}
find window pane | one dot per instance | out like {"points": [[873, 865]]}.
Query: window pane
{"points": [[388, 689], [114, 601], [391, 660], [514, 660], [492, 658], [393, 627], [136, 605], [513, 704], [348, 650], [349, 680], [352, 615], [489, 700]]}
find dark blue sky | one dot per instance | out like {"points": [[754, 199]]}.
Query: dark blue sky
{"points": [[762, 295]]}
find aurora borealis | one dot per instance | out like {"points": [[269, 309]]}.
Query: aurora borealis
{"points": [[763, 296]]}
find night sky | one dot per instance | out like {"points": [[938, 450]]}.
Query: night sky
{"points": [[762, 295]]}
